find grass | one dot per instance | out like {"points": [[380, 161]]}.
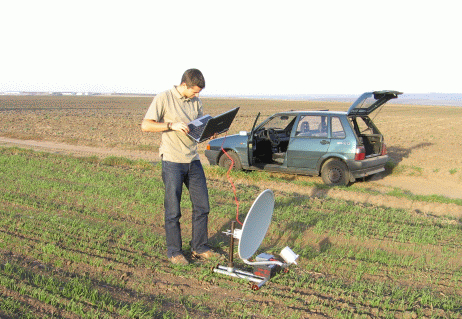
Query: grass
{"points": [[410, 170], [256, 176], [82, 237]]}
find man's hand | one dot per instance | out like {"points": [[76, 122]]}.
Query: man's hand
{"points": [[180, 126]]}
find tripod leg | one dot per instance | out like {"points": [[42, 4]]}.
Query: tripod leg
{"points": [[231, 246]]}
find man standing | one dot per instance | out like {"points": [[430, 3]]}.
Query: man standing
{"points": [[169, 113]]}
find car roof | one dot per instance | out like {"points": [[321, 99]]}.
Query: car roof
{"points": [[317, 112], [363, 106]]}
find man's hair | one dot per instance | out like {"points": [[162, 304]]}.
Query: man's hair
{"points": [[193, 77]]}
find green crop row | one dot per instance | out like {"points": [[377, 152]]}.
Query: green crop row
{"points": [[84, 237]]}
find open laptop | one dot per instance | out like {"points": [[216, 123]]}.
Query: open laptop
{"points": [[206, 126]]}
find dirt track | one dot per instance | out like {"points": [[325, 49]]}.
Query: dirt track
{"points": [[381, 183]]}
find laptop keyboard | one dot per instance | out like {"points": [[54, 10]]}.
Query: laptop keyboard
{"points": [[196, 131]]}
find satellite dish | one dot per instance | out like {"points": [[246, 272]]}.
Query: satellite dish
{"points": [[256, 224], [250, 237]]}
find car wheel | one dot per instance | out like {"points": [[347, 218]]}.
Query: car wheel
{"points": [[225, 162], [335, 173]]}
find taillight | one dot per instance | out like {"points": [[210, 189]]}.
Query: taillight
{"points": [[208, 147], [384, 149], [360, 153]]}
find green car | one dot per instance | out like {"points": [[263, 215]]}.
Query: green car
{"points": [[339, 146]]}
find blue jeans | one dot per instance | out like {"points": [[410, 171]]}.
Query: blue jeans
{"points": [[174, 175]]}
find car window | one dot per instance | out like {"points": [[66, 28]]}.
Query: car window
{"points": [[337, 128], [312, 126]]}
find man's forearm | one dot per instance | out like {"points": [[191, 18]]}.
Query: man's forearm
{"points": [[153, 126]]}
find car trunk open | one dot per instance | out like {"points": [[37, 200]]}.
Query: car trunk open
{"points": [[367, 133], [370, 101]]}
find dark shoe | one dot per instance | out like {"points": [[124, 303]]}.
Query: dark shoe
{"points": [[206, 255], [179, 260]]}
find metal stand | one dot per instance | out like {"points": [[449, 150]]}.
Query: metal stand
{"points": [[258, 281]]}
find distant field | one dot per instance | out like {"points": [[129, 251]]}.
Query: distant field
{"points": [[425, 137]]}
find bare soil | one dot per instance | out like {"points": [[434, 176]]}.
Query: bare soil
{"points": [[424, 142]]}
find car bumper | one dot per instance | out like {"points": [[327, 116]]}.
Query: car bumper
{"points": [[367, 167], [212, 156]]}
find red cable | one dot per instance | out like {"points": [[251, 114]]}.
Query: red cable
{"points": [[231, 181]]}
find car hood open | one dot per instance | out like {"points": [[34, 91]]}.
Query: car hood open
{"points": [[370, 101]]}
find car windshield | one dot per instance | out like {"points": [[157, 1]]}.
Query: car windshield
{"points": [[278, 122]]}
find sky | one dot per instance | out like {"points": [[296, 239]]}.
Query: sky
{"points": [[246, 47]]}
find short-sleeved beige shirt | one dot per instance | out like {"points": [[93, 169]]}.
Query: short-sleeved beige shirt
{"points": [[171, 106]]}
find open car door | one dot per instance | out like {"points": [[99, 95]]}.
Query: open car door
{"points": [[250, 142]]}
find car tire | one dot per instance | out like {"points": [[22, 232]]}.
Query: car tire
{"points": [[335, 173], [225, 162]]}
